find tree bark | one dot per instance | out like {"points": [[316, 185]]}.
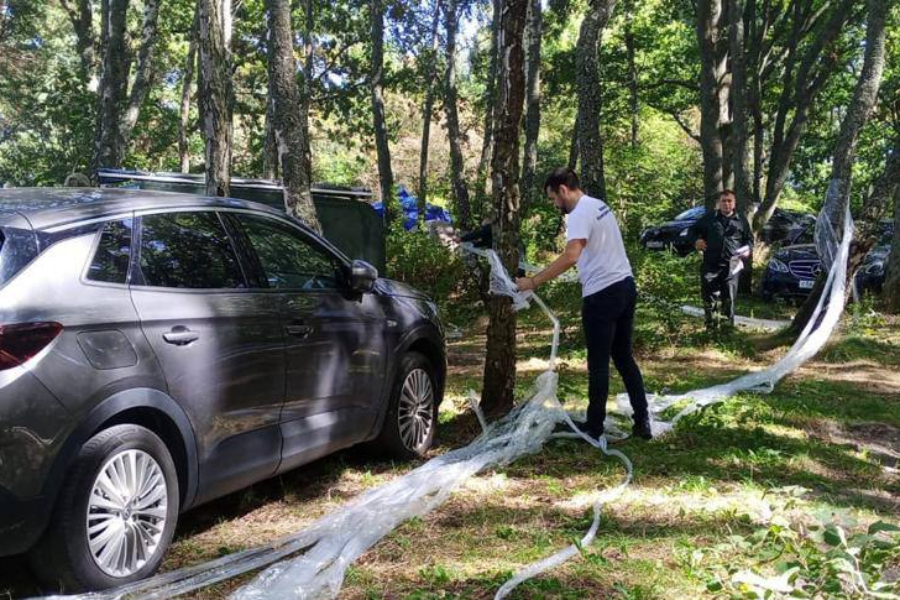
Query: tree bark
{"points": [[81, 16], [431, 77], [633, 100], [108, 147], [216, 93], [382, 147], [306, 87], [740, 125], [457, 164], [490, 97], [590, 141], [500, 363], [184, 157], [144, 72], [861, 106], [295, 170], [713, 96], [270, 144], [533, 32]]}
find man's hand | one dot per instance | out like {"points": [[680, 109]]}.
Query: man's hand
{"points": [[700, 245], [525, 284]]}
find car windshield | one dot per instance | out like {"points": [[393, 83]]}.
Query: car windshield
{"points": [[691, 213]]}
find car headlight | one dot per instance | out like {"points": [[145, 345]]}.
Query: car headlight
{"points": [[684, 233], [778, 266], [876, 268]]}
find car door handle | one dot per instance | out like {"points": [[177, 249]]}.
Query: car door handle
{"points": [[181, 337], [299, 330]]}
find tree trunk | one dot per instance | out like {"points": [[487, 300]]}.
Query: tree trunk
{"points": [[184, 156], [740, 129], [144, 73], [587, 79], [457, 165], [713, 96], [385, 174], [82, 17], [216, 93], [500, 363], [306, 88], [295, 171], [108, 147], [533, 32], [431, 78], [633, 100], [490, 97], [270, 143], [864, 97]]}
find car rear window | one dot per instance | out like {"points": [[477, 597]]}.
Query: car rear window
{"points": [[188, 250], [113, 255], [18, 247]]}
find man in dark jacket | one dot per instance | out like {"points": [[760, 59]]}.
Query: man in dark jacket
{"points": [[725, 239]]}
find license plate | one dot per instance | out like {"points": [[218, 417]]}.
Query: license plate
{"points": [[656, 244], [807, 284]]}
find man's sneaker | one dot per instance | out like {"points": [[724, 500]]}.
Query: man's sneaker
{"points": [[642, 430]]}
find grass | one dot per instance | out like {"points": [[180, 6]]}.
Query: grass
{"points": [[704, 502]]}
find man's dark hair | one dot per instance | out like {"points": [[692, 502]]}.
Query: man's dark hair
{"points": [[727, 192], [562, 176]]}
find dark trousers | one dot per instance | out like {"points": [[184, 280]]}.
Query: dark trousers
{"points": [[608, 320], [718, 288]]}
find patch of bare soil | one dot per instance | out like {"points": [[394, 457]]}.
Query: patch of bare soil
{"points": [[869, 376], [878, 440]]}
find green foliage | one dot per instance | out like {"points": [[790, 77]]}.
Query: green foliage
{"points": [[417, 258], [827, 558]]}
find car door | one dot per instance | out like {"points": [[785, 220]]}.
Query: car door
{"points": [[334, 340], [219, 342]]}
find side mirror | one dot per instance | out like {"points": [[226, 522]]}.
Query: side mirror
{"points": [[362, 276]]}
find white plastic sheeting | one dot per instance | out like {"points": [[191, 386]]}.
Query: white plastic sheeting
{"points": [[313, 562], [752, 322], [834, 251]]}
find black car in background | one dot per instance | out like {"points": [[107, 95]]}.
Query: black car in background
{"points": [[792, 272], [783, 226]]}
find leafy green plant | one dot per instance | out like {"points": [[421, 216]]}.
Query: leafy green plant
{"points": [[824, 559]]}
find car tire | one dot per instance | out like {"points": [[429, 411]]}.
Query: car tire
{"points": [[126, 478], [411, 420]]}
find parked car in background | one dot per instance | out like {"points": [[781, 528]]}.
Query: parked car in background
{"points": [[792, 272], [160, 350], [783, 226]]}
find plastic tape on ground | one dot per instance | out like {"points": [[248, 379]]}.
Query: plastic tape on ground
{"points": [[312, 563]]}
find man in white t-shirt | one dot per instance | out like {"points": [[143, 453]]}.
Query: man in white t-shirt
{"points": [[594, 244]]}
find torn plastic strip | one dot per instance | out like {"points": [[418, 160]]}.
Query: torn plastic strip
{"points": [[815, 334], [767, 324]]}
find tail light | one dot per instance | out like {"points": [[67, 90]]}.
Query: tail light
{"points": [[20, 342]]}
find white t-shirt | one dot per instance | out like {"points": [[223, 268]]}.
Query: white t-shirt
{"points": [[603, 261]]}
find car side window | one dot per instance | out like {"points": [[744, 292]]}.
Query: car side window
{"points": [[188, 250], [288, 259], [113, 255]]}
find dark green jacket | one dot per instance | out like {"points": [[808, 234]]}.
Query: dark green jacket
{"points": [[723, 236]]}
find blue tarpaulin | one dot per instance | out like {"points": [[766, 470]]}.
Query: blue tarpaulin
{"points": [[411, 210]]}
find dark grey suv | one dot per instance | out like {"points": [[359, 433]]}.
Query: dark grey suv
{"points": [[160, 350]]}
